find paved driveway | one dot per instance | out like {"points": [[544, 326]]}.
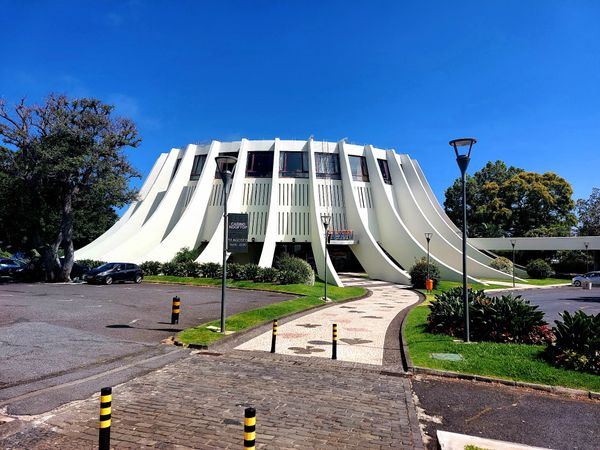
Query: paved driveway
{"points": [[57, 339], [558, 299]]}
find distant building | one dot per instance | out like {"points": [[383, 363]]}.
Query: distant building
{"points": [[379, 201]]}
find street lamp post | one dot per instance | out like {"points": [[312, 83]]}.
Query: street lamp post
{"points": [[428, 237], [225, 166], [325, 219], [463, 163], [587, 257], [513, 242]]}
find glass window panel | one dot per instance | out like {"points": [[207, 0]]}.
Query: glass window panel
{"points": [[358, 167], [197, 166], [327, 165], [385, 171], [293, 164], [260, 164]]}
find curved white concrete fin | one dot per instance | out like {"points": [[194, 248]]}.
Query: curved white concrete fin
{"points": [[187, 230], [395, 237], [213, 252], [142, 210], [152, 231], [316, 226], [270, 242], [370, 255]]}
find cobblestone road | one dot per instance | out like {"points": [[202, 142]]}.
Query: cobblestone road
{"points": [[199, 402]]}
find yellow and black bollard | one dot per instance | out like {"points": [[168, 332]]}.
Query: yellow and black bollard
{"points": [[175, 310], [274, 337], [334, 342], [250, 428], [105, 417]]}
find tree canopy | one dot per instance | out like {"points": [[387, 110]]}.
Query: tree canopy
{"points": [[62, 171], [509, 201], [588, 211]]}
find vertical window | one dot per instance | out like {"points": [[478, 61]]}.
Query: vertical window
{"points": [[358, 167], [260, 164], [385, 171], [176, 167], [293, 164], [327, 165], [197, 166]]}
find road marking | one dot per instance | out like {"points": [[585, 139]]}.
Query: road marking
{"points": [[133, 321]]}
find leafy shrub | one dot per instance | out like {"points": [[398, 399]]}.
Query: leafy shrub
{"points": [[418, 274], [496, 319], [173, 269], [539, 269], [236, 271], [299, 270], [191, 268], [577, 344], [252, 271], [211, 270], [502, 264], [91, 263], [267, 275], [185, 255], [151, 267]]}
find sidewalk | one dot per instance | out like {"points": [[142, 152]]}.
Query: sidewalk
{"points": [[361, 324]]}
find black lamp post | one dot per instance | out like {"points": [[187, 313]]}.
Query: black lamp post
{"points": [[513, 242], [428, 237], [463, 163], [325, 219], [587, 257], [225, 166]]}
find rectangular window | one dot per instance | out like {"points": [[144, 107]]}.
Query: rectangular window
{"points": [[327, 165], [385, 171], [197, 166], [230, 167], [260, 164], [358, 167], [293, 164]]}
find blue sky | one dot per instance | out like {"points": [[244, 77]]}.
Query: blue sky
{"points": [[521, 76]]}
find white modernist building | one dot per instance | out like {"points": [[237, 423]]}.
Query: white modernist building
{"points": [[379, 202]]}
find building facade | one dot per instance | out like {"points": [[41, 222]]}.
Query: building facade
{"points": [[379, 201]]}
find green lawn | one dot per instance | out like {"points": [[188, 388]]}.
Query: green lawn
{"points": [[443, 286], [534, 282], [310, 296], [509, 361]]}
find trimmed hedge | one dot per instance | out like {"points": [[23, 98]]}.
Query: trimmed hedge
{"points": [[418, 274], [502, 264], [539, 269], [295, 270]]}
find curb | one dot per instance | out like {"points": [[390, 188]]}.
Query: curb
{"points": [[266, 325], [557, 390]]}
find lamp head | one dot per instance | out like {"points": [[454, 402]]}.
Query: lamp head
{"points": [[225, 165], [428, 236], [513, 242], [325, 219], [463, 142]]}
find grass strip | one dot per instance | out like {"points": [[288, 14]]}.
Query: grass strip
{"points": [[444, 286], [518, 362], [311, 296]]}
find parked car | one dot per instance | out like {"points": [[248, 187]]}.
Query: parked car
{"points": [[11, 269], [110, 273], [594, 277]]}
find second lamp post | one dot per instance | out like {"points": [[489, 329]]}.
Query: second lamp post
{"points": [[325, 218], [463, 163]]}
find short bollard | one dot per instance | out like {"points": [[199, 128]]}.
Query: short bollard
{"points": [[250, 428], [105, 415], [175, 310], [334, 342], [274, 337]]}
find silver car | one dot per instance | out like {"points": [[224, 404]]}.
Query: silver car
{"points": [[593, 277]]}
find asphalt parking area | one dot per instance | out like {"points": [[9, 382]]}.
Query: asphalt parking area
{"points": [[555, 300], [54, 335]]}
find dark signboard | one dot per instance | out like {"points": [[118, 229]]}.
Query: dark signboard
{"points": [[237, 233]]}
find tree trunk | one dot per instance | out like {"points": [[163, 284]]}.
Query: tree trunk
{"points": [[67, 237]]}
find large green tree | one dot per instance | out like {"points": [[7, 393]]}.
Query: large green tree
{"points": [[508, 201], [62, 171], [588, 211]]}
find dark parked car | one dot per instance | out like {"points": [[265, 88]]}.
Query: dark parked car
{"points": [[12, 269], [110, 273]]}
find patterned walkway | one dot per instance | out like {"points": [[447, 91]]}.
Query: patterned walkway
{"points": [[362, 326]]}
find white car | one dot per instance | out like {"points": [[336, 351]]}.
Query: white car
{"points": [[594, 277]]}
